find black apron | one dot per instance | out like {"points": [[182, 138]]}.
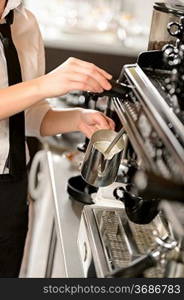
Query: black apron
{"points": [[13, 186]]}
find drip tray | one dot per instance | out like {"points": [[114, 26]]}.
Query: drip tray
{"points": [[116, 242]]}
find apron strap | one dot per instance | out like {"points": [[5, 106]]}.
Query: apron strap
{"points": [[17, 156]]}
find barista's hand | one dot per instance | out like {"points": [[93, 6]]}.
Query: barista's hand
{"points": [[91, 121], [75, 74]]}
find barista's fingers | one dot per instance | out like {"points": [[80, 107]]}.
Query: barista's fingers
{"points": [[104, 73], [87, 130], [111, 123], [83, 82], [90, 66], [100, 121], [92, 73]]}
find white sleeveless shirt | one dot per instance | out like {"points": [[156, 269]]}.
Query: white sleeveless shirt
{"points": [[29, 44]]}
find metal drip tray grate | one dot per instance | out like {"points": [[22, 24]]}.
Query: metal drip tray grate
{"points": [[123, 241], [143, 236], [113, 239]]}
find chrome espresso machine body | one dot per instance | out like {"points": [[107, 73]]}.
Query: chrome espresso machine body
{"points": [[144, 237]]}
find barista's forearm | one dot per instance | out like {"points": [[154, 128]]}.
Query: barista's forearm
{"points": [[74, 74], [62, 121], [18, 97]]}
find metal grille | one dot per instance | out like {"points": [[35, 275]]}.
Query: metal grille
{"points": [[114, 241], [124, 241]]}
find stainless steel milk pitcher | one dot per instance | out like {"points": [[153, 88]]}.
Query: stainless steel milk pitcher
{"points": [[98, 170]]}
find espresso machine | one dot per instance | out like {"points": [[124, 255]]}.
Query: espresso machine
{"points": [[142, 233]]}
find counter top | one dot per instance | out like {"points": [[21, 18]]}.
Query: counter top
{"points": [[52, 245], [68, 214]]}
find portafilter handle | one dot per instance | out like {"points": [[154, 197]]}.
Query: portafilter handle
{"points": [[147, 190], [151, 186], [118, 90]]}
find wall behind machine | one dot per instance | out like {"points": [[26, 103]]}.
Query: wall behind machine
{"points": [[110, 62]]}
